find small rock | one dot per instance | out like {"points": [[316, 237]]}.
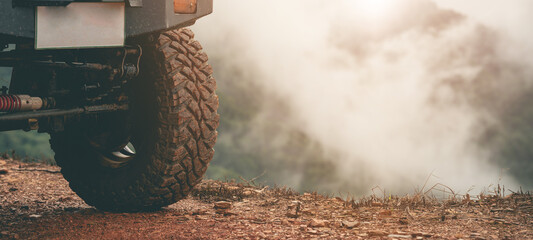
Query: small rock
{"points": [[222, 205], [336, 224], [221, 211], [295, 203], [35, 216], [294, 209], [233, 188], [183, 218], [498, 221], [291, 215], [247, 193], [476, 236], [421, 234], [399, 236], [230, 213], [258, 221], [308, 212], [200, 218], [199, 212], [3, 171], [13, 189], [312, 231], [376, 233], [4, 233], [404, 221], [385, 213], [315, 223], [350, 225], [225, 212]]}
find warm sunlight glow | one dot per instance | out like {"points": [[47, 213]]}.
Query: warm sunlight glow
{"points": [[373, 9]]}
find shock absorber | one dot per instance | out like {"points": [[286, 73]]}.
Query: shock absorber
{"points": [[19, 103]]}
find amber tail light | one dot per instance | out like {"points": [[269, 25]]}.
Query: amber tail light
{"points": [[185, 6]]}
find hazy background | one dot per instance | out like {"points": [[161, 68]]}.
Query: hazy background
{"points": [[342, 96]]}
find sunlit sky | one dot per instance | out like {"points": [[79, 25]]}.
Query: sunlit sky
{"points": [[374, 9]]}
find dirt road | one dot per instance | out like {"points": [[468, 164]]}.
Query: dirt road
{"points": [[36, 203]]}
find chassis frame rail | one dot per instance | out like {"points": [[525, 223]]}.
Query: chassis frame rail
{"points": [[24, 120]]}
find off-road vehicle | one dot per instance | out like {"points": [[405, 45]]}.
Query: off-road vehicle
{"points": [[123, 89]]}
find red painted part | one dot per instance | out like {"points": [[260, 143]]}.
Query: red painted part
{"points": [[18, 102], [3, 103], [10, 103]]}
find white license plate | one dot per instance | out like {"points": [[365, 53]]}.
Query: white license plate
{"points": [[80, 25]]}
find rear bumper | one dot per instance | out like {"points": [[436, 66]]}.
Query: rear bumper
{"points": [[153, 16]]}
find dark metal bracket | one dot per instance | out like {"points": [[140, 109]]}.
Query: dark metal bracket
{"points": [[135, 3], [127, 67], [35, 3]]}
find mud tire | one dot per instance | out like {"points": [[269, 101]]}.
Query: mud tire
{"points": [[175, 107]]}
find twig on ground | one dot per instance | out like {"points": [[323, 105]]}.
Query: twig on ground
{"points": [[382, 191], [427, 180], [255, 178], [409, 213], [442, 185], [251, 182]]}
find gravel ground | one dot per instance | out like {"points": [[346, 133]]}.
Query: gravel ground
{"points": [[36, 203]]}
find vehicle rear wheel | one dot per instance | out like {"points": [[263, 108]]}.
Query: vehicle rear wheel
{"points": [[154, 154]]}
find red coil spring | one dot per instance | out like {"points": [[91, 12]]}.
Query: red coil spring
{"points": [[10, 103]]}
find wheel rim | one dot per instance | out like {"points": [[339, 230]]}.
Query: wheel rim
{"points": [[118, 157], [114, 145]]}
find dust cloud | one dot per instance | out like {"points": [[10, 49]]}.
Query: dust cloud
{"points": [[395, 91]]}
